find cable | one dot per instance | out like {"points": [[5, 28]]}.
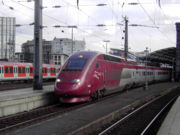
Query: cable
{"points": [[154, 22]]}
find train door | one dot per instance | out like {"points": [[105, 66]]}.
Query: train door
{"points": [[27, 72], [1, 72], [98, 75], [15, 72]]}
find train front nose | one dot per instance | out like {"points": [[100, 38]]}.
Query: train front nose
{"points": [[68, 88]]}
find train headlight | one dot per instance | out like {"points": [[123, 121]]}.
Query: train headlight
{"points": [[58, 80], [75, 80]]}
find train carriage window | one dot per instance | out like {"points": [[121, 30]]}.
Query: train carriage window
{"points": [[111, 58], [31, 70], [19, 69], [0, 70], [6, 69], [11, 69], [23, 70]]}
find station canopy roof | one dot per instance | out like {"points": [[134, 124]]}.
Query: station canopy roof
{"points": [[166, 55]]}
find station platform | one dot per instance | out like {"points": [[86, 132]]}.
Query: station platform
{"points": [[15, 101], [91, 117], [171, 124]]}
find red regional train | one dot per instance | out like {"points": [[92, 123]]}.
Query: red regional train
{"points": [[88, 75], [24, 71]]}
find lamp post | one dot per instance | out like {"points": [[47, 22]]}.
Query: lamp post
{"points": [[106, 41], [73, 26], [146, 79]]}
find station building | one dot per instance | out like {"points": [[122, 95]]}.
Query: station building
{"points": [[54, 52]]}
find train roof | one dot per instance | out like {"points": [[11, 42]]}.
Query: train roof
{"points": [[96, 53], [21, 64]]}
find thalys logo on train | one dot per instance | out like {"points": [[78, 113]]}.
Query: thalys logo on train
{"points": [[97, 74]]}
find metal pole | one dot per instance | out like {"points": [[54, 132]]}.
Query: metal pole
{"points": [[126, 39], [172, 77], [177, 68], [72, 40], [106, 47], [106, 41], [146, 83], [37, 82]]}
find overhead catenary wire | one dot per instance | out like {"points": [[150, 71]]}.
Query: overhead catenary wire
{"points": [[57, 20], [150, 18]]}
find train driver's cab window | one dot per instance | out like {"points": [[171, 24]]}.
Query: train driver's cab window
{"points": [[75, 64]]}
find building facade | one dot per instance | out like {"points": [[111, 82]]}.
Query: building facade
{"points": [[54, 52], [58, 59], [19, 57], [66, 46], [28, 51], [7, 38]]}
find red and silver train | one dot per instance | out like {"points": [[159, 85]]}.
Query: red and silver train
{"points": [[86, 75], [24, 71]]}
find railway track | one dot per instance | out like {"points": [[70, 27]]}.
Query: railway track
{"points": [[144, 120], [27, 118]]}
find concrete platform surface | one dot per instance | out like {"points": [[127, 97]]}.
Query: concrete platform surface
{"points": [[86, 119], [15, 101], [171, 124], [24, 91]]}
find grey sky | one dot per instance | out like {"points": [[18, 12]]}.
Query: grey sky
{"points": [[89, 15]]}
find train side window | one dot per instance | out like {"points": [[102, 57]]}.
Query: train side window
{"points": [[97, 65], [6, 69], [19, 70], [31, 70], [0, 70], [11, 69], [24, 70]]}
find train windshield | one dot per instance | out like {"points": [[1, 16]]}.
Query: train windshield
{"points": [[75, 64]]}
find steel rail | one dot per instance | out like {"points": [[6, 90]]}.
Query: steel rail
{"points": [[49, 114], [129, 115], [156, 117]]}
